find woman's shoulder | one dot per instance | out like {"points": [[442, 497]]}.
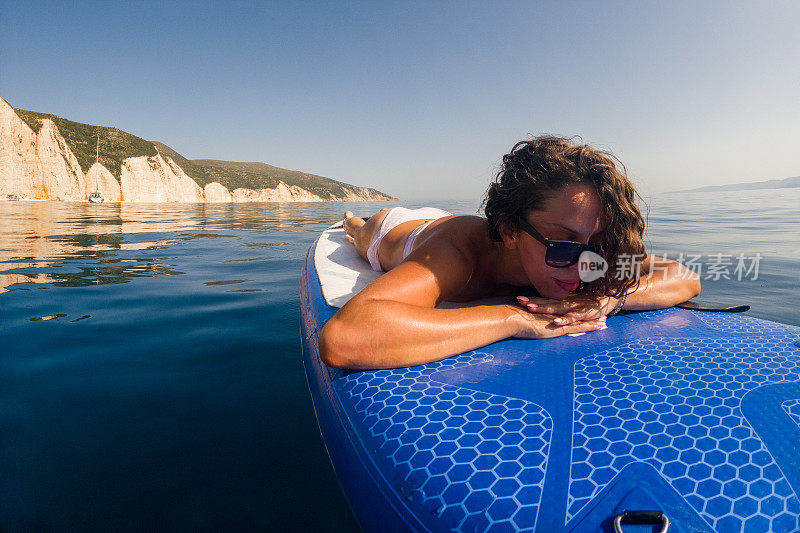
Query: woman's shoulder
{"points": [[473, 222], [467, 233], [470, 226], [465, 240]]}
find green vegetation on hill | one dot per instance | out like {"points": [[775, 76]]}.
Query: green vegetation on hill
{"points": [[115, 145]]}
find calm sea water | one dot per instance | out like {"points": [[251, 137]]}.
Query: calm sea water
{"points": [[150, 369]]}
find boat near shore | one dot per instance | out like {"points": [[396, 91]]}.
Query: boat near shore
{"points": [[96, 197]]}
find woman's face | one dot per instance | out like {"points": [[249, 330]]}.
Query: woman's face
{"points": [[573, 214]]}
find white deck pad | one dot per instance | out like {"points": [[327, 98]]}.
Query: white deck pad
{"points": [[343, 273]]}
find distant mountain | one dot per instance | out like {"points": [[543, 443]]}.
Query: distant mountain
{"points": [[48, 157], [786, 183]]}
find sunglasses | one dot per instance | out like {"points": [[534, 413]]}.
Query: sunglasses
{"points": [[559, 254]]}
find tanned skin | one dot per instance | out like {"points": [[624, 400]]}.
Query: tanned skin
{"points": [[394, 321]]}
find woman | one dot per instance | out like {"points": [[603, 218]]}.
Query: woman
{"points": [[547, 192]]}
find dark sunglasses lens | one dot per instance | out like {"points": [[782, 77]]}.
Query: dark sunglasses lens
{"points": [[563, 254]]}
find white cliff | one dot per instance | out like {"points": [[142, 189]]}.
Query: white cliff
{"points": [[42, 166], [61, 178], [216, 192], [282, 193], [361, 194], [154, 179], [18, 162]]}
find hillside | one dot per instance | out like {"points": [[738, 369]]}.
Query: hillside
{"points": [[116, 146], [786, 183], [234, 175]]}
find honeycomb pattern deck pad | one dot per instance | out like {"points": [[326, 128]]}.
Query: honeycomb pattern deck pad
{"points": [[692, 413], [467, 456], [677, 405]]}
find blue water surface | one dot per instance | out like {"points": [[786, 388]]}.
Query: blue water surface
{"points": [[150, 371]]}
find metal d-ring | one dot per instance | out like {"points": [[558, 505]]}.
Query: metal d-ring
{"points": [[641, 517]]}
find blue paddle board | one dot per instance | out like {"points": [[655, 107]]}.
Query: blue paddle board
{"points": [[692, 414]]}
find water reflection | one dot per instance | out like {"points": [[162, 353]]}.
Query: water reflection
{"points": [[6, 280], [77, 244], [47, 317]]}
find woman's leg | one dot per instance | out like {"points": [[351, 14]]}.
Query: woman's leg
{"points": [[362, 231]]}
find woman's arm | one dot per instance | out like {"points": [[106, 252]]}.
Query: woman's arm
{"points": [[663, 283], [393, 322]]}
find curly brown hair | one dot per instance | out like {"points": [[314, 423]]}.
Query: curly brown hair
{"points": [[536, 169]]}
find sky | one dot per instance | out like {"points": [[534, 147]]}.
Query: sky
{"points": [[422, 99]]}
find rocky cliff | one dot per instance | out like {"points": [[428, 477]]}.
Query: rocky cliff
{"points": [[49, 158]]}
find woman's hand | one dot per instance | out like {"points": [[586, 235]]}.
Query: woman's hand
{"points": [[544, 326], [579, 308]]}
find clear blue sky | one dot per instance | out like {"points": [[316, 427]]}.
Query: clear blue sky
{"points": [[421, 99]]}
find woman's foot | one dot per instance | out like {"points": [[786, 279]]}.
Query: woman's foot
{"points": [[352, 224]]}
